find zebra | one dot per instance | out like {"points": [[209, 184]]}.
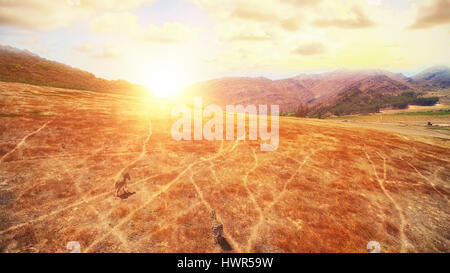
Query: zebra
{"points": [[216, 227]]}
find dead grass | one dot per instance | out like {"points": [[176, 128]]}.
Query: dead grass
{"points": [[328, 188]]}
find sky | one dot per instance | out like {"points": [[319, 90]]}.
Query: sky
{"points": [[184, 41]]}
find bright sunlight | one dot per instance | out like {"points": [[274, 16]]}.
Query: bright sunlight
{"points": [[166, 79]]}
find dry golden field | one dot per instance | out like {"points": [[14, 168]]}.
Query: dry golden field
{"points": [[330, 186]]}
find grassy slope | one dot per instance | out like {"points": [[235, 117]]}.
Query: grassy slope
{"points": [[330, 187]]}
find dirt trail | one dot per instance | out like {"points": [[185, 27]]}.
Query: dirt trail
{"points": [[23, 140], [130, 165], [428, 180], [381, 182]]}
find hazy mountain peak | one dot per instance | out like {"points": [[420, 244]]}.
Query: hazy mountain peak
{"points": [[14, 50], [434, 69], [436, 76]]}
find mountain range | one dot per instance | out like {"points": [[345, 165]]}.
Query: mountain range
{"points": [[317, 90], [341, 91]]}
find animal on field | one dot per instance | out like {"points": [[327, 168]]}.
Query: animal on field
{"points": [[121, 184], [216, 227]]}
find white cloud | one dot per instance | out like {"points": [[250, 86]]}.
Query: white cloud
{"points": [[109, 51], [126, 24], [355, 18], [313, 48], [38, 14], [115, 23], [243, 31], [438, 13]]}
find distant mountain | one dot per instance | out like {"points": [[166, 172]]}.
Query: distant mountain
{"points": [[327, 86], [288, 93], [304, 89], [438, 77], [23, 66]]}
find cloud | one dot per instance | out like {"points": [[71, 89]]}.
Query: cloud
{"points": [[106, 51], [248, 12], [436, 14], [243, 31], [115, 23], [249, 37], [289, 15], [116, 5], [37, 14], [263, 14], [356, 19], [254, 20], [374, 2], [126, 24], [109, 51], [291, 24], [313, 48], [171, 32], [302, 3]]}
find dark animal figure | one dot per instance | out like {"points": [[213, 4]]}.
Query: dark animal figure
{"points": [[122, 184], [217, 232], [216, 227]]}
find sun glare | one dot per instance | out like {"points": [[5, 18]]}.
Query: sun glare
{"points": [[166, 80]]}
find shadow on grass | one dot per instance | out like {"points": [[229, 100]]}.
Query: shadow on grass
{"points": [[224, 244], [125, 195]]}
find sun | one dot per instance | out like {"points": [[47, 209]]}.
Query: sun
{"points": [[166, 80]]}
